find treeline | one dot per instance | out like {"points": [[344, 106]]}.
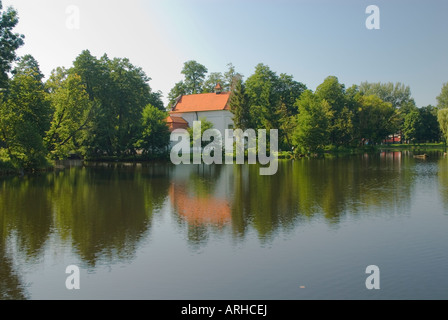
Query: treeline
{"points": [[99, 107], [331, 117]]}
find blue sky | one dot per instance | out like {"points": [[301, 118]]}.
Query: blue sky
{"points": [[309, 39]]}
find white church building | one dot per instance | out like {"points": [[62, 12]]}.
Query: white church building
{"points": [[214, 107]]}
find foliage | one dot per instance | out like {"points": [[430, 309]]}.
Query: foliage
{"points": [[24, 119], [9, 42], [72, 113], [155, 134], [442, 117], [239, 106], [205, 125], [311, 134], [442, 99]]}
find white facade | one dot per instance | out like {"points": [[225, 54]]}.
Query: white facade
{"points": [[221, 119]]}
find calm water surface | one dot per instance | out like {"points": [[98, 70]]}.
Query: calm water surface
{"points": [[157, 231]]}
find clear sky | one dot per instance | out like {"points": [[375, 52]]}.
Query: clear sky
{"points": [[309, 39]]}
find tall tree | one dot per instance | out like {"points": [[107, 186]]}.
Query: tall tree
{"points": [[122, 91], [442, 99], [178, 90], [333, 92], [155, 136], [376, 118], [212, 80], [72, 114], [195, 74], [261, 89], [311, 133], [9, 42], [25, 117], [230, 77], [442, 117], [239, 106]]}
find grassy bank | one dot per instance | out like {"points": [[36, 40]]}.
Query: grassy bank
{"points": [[418, 146]]}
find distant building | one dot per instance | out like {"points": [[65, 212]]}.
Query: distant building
{"points": [[214, 107]]}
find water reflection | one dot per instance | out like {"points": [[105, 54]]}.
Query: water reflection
{"points": [[103, 212], [443, 181]]}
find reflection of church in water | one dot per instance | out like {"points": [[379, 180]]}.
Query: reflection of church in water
{"points": [[201, 198]]}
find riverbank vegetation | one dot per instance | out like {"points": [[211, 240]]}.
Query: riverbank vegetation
{"points": [[103, 108]]}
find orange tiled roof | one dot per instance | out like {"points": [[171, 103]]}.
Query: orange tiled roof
{"points": [[171, 119], [202, 102]]}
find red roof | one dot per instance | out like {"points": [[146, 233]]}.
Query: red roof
{"points": [[173, 119], [203, 102]]}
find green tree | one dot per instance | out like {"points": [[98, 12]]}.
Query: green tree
{"points": [[261, 89], [121, 91], [27, 64], [194, 73], [398, 94], [376, 119], [212, 80], [25, 117], [9, 42], [442, 99], [311, 133], [205, 125], [155, 136], [239, 106], [72, 114], [230, 78], [178, 90], [430, 130], [340, 127], [442, 117], [412, 126]]}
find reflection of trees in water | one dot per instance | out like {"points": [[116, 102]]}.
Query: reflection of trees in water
{"points": [[103, 211], [330, 187], [11, 287], [300, 191], [106, 211], [443, 181], [26, 210]]}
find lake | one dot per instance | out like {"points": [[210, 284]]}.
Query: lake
{"points": [[162, 232]]}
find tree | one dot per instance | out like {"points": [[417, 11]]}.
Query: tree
{"points": [[412, 126], [430, 130], [72, 114], [261, 89], [121, 91], [9, 42], [213, 79], [194, 73], [230, 78], [398, 94], [205, 125], [289, 91], [178, 90], [442, 117], [376, 119], [442, 99], [155, 136], [239, 106], [311, 133], [25, 117], [26, 64]]}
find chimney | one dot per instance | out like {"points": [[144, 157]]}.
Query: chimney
{"points": [[218, 88]]}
